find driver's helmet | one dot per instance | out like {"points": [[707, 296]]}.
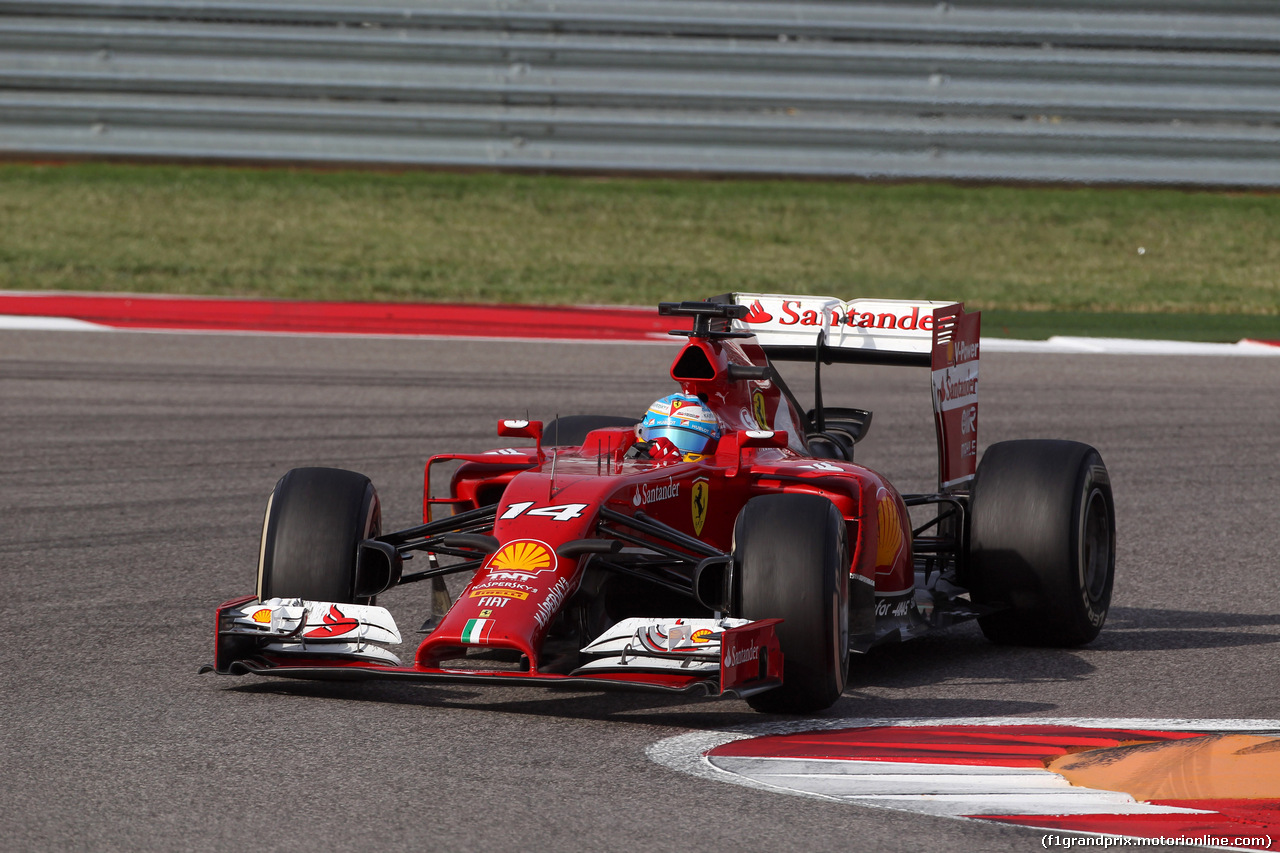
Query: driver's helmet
{"points": [[684, 421]]}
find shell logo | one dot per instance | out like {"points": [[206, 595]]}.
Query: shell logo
{"points": [[262, 616], [890, 523], [523, 555]]}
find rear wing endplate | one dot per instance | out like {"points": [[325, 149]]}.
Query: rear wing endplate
{"points": [[922, 333], [954, 362]]}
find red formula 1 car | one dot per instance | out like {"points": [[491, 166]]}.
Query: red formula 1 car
{"points": [[600, 558]]}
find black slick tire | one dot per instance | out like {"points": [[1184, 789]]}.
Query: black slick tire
{"points": [[792, 553], [1042, 542], [315, 521], [572, 430]]}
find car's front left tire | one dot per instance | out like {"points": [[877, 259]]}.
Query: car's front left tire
{"points": [[315, 521]]}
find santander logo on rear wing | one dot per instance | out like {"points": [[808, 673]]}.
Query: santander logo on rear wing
{"points": [[939, 335], [872, 325]]}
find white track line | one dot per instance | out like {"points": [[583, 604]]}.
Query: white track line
{"points": [[49, 324], [1128, 346]]}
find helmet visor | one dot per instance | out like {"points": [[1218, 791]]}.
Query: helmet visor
{"points": [[687, 440]]}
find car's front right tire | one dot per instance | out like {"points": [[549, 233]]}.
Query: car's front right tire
{"points": [[792, 554]]}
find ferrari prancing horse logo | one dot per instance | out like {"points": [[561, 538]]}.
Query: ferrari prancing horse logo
{"points": [[701, 497], [759, 410]]}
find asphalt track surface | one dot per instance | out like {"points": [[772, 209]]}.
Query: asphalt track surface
{"points": [[137, 466]]}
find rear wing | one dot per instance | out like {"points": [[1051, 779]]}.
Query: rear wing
{"points": [[922, 333], [870, 331]]}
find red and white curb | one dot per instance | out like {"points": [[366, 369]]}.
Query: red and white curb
{"points": [[87, 312], [153, 313], [1003, 770]]}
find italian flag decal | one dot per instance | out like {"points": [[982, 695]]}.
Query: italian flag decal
{"points": [[477, 630]]}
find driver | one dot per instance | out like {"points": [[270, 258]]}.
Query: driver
{"points": [[679, 425]]}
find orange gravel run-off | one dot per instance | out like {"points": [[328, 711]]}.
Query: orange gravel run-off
{"points": [[1213, 767]]}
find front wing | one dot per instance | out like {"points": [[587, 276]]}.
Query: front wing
{"points": [[749, 661]]}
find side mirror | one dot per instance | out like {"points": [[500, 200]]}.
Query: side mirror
{"points": [[762, 438], [520, 429], [729, 450], [512, 428]]}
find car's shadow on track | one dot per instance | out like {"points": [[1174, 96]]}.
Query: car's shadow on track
{"points": [[1147, 617], [637, 709], [927, 661], [963, 654], [1149, 629]]}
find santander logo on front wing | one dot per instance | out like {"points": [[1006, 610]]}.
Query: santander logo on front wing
{"points": [[336, 623]]}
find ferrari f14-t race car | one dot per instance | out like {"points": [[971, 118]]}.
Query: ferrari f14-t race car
{"points": [[727, 544]]}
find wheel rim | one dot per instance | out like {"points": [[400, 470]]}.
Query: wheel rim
{"points": [[1095, 551]]}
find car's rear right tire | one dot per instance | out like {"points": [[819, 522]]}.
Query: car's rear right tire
{"points": [[792, 553], [315, 521], [1042, 542]]}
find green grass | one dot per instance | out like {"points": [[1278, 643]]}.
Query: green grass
{"points": [[1013, 252]]}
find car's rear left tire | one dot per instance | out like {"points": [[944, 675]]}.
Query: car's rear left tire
{"points": [[315, 521], [1042, 542], [792, 553]]}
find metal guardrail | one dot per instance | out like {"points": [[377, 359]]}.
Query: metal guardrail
{"points": [[1204, 25], [1102, 92]]}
